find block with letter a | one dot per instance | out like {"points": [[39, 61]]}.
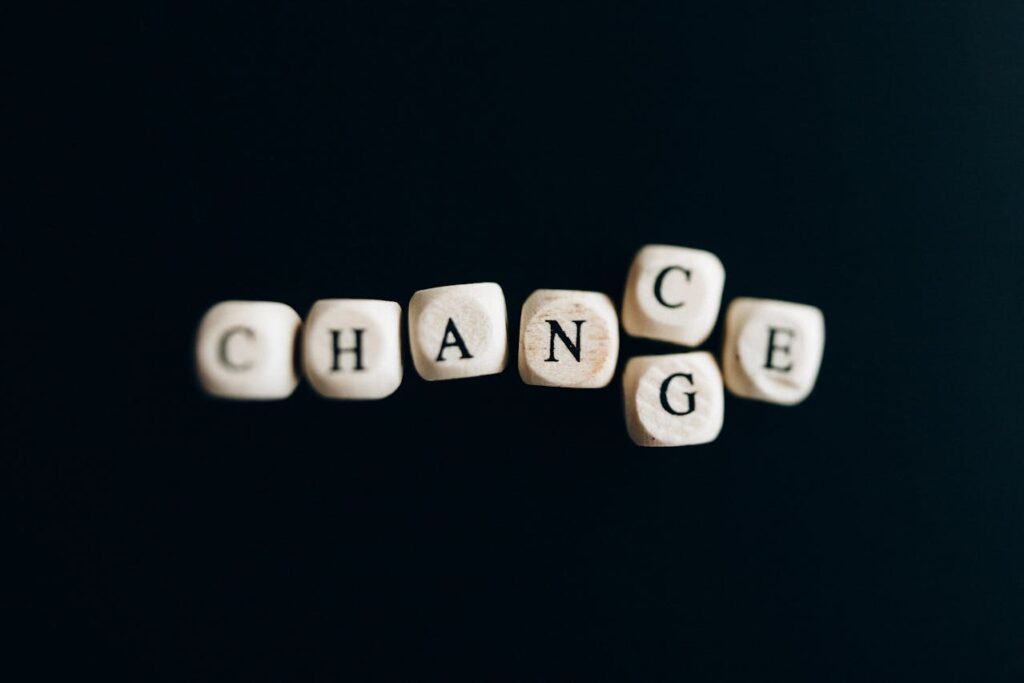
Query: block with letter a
{"points": [[459, 331]]}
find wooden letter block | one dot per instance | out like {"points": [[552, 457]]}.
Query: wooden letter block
{"points": [[568, 338], [772, 349], [246, 349], [459, 331], [673, 294], [673, 400], [351, 348]]}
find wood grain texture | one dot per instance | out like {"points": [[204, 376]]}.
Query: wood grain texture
{"points": [[585, 358], [673, 294], [772, 349], [459, 331], [674, 399]]}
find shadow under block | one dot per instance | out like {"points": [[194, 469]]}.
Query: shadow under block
{"points": [[673, 294], [246, 350], [352, 348], [772, 349], [458, 331], [673, 400], [568, 338]]}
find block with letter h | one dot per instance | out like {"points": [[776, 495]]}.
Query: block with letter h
{"points": [[351, 348]]}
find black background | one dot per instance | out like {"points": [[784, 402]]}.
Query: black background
{"points": [[867, 158]]}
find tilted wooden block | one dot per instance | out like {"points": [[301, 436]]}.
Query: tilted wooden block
{"points": [[246, 349], [459, 331], [568, 338], [673, 400], [772, 349], [673, 294], [352, 348]]}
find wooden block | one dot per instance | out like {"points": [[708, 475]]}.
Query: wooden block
{"points": [[673, 400], [568, 338], [246, 350], [772, 349], [352, 348], [673, 294], [459, 331]]}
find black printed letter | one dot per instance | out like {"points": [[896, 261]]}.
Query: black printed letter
{"points": [[772, 348], [574, 349], [249, 334], [357, 349], [450, 329], [690, 395], [661, 278]]}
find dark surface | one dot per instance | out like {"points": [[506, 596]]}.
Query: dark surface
{"points": [[865, 159]]}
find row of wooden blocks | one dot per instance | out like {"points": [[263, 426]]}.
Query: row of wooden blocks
{"points": [[351, 348]]}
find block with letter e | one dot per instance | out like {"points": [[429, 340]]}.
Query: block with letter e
{"points": [[772, 349]]}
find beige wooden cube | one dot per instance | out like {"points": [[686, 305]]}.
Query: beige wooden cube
{"points": [[772, 349], [352, 348], [459, 331], [246, 350], [568, 338], [673, 400], [673, 294]]}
